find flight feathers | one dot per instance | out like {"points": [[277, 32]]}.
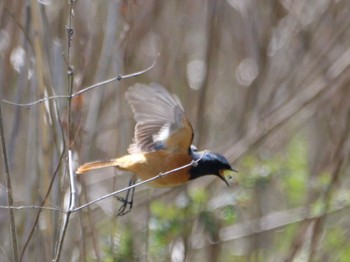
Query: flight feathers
{"points": [[159, 115]]}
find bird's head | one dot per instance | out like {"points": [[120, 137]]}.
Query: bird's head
{"points": [[210, 163]]}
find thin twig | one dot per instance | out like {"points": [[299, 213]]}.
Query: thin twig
{"points": [[9, 192], [33, 207], [116, 78], [35, 102], [36, 221], [192, 163]]}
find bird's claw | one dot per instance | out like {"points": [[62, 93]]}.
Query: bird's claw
{"points": [[125, 207], [128, 201]]}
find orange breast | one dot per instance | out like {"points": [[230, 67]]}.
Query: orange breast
{"points": [[148, 165]]}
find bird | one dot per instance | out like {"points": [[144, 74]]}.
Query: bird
{"points": [[162, 142]]}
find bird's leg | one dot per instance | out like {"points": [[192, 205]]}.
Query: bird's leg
{"points": [[127, 202]]}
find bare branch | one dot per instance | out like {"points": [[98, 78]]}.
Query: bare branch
{"points": [[70, 76], [9, 191], [72, 181], [33, 207], [192, 163], [116, 78], [36, 221]]}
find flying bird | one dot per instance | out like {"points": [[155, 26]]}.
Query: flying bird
{"points": [[162, 142]]}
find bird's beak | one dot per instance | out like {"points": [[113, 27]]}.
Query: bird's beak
{"points": [[227, 175]]}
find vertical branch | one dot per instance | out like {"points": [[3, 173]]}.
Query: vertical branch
{"points": [[70, 73], [9, 191], [71, 181]]}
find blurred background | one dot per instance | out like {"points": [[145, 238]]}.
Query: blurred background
{"points": [[265, 83]]}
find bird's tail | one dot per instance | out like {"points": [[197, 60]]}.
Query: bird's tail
{"points": [[96, 165]]}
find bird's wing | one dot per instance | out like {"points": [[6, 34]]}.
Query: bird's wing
{"points": [[160, 120]]}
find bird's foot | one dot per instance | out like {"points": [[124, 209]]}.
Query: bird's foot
{"points": [[128, 201], [125, 207]]}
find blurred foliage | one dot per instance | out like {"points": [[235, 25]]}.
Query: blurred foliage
{"points": [[169, 223], [289, 169], [172, 222], [336, 245], [119, 247]]}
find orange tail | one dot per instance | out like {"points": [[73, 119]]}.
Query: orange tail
{"points": [[96, 165]]}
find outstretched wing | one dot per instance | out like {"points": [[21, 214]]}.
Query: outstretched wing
{"points": [[160, 120]]}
